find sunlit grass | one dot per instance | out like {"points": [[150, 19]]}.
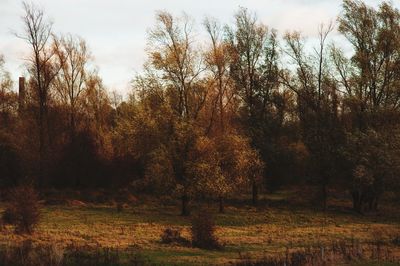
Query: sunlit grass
{"points": [[246, 229]]}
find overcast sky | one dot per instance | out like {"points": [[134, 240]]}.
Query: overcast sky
{"points": [[115, 30]]}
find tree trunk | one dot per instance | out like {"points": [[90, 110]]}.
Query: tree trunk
{"points": [[41, 144], [324, 196], [356, 201], [375, 205], [185, 203], [72, 125], [221, 205], [255, 193], [373, 202]]}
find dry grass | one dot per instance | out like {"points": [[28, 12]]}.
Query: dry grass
{"points": [[241, 229]]}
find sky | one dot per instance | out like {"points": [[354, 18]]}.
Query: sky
{"points": [[116, 30]]}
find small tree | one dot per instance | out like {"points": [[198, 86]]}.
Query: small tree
{"points": [[371, 160], [224, 165], [24, 208], [203, 231]]}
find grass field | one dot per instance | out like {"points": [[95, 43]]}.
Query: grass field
{"points": [[241, 229]]}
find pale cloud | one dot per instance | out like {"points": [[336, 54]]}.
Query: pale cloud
{"points": [[116, 30]]}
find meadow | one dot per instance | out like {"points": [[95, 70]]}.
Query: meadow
{"points": [[244, 231]]}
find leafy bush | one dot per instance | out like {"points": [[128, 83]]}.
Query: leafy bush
{"points": [[23, 210], [203, 231]]}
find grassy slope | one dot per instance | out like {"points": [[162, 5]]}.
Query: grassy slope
{"points": [[242, 229]]}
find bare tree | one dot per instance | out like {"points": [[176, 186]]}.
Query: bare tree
{"points": [[173, 53], [371, 76], [37, 33], [254, 69], [317, 102], [73, 57], [217, 60]]}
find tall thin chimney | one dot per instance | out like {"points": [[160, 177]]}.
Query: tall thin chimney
{"points": [[21, 93]]}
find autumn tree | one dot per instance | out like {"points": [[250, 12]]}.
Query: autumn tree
{"points": [[175, 60], [224, 165]]}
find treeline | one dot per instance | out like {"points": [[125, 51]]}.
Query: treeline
{"points": [[249, 110]]}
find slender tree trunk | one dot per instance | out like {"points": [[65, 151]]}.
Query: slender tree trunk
{"points": [[255, 193], [185, 203], [72, 117], [43, 129], [375, 204], [41, 144], [221, 205], [356, 201], [324, 196]]}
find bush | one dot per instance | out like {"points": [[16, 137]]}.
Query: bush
{"points": [[172, 235], [203, 231], [23, 210]]}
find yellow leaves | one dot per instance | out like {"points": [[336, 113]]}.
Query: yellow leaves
{"points": [[223, 165]]}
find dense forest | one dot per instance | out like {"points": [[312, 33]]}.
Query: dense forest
{"points": [[247, 111]]}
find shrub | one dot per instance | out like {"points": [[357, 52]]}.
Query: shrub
{"points": [[203, 231], [23, 210], [172, 235]]}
